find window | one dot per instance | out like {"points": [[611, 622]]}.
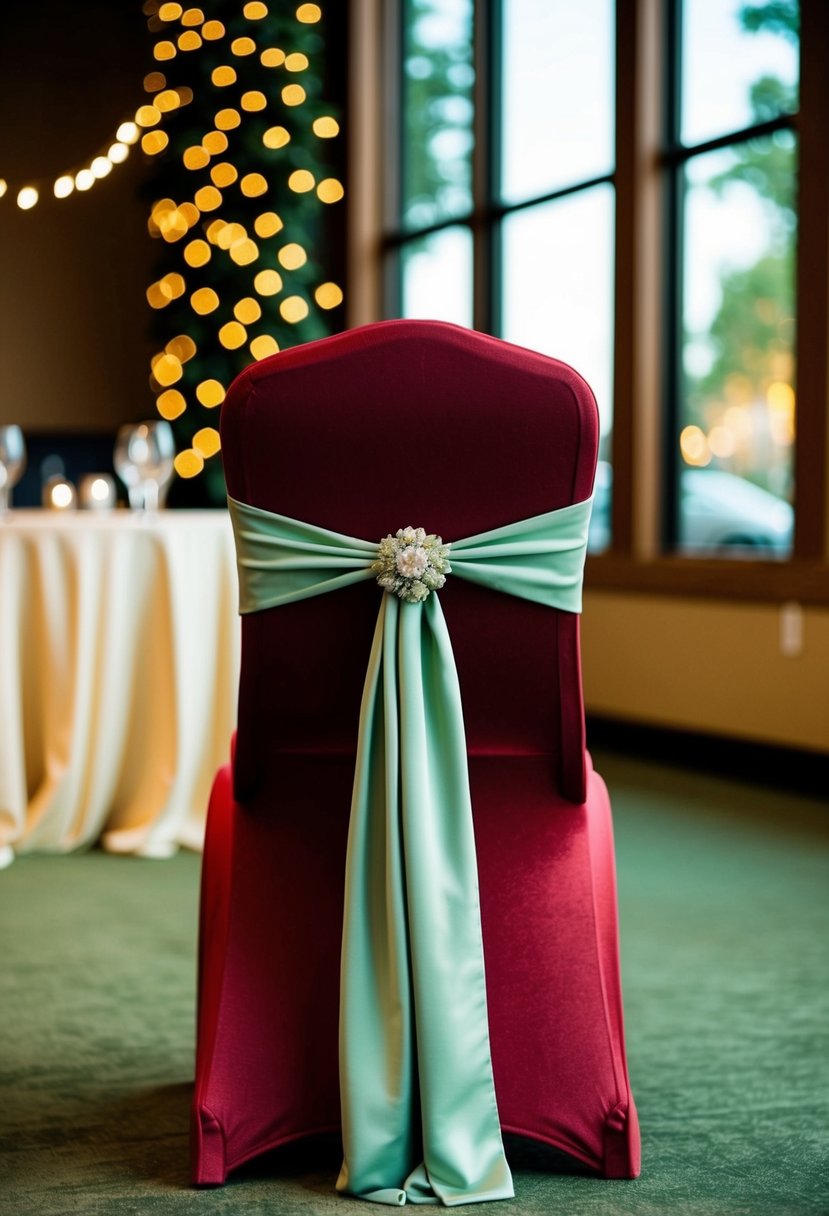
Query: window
{"points": [[731, 164], [538, 222], [640, 190]]}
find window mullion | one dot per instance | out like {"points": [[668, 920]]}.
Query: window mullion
{"points": [[486, 168], [811, 486]]}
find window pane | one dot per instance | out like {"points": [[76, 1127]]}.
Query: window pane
{"points": [[739, 65], [558, 88], [558, 299], [737, 411], [436, 273], [438, 79]]}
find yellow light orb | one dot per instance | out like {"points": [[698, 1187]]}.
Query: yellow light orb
{"points": [[213, 231], [172, 225], [694, 446], [189, 41], [254, 100], [64, 186], [154, 142], [197, 253], [204, 301], [229, 234], [215, 142], [255, 11], [167, 100], [154, 81], [330, 190], [224, 174], [243, 46], [182, 346], [210, 393], [192, 16], [167, 370], [158, 295], [127, 133], [174, 283], [253, 184], [207, 198], [233, 335], [170, 404], [207, 441], [223, 76], [188, 463], [267, 283], [84, 179], [227, 119], [308, 14], [273, 57], [147, 116], [244, 252], [293, 309], [292, 256], [301, 181], [293, 95], [164, 50], [170, 12], [185, 94], [328, 295], [100, 166], [296, 62], [191, 213], [267, 224], [276, 137], [247, 310], [195, 157], [118, 153], [325, 127], [4, 185], [211, 30], [263, 346], [27, 198]]}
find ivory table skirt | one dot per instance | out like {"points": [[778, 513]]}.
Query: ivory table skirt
{"points": [[119, 654]]}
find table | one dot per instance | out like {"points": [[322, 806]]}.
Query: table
{"points": [[119, 658]]}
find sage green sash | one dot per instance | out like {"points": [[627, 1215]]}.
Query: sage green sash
{"points": [[420, 1120]]}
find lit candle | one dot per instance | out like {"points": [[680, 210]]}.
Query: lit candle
{"points": [[97, 492], [59, 494]]}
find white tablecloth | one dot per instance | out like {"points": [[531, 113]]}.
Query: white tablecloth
{"points": [[119, 653]]}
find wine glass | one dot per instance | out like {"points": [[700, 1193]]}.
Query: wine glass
{"points": [[143, 460], [12, 462]]}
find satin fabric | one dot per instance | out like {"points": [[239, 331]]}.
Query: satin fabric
{"points": [[419, 1112]]}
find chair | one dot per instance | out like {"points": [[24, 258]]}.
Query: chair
{"points": [[396, 423]]}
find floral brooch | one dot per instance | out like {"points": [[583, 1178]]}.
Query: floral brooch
{"points": [[411, 564]]}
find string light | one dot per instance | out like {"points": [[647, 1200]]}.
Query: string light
{"points": [[233, 335], [276, 137], [210, 393], [264, 345], [325, 127], [328, 295]]}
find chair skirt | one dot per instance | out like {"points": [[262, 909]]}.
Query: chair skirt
{"points": [[271, 917]]}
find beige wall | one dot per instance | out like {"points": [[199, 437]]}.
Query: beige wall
{"points": [[708, 666]]}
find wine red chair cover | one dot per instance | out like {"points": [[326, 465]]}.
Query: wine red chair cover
{"points": [[398, 423]]}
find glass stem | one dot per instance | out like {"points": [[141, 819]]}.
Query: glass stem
{"points": [[150, 495]]}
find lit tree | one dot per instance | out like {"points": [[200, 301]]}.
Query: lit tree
{"points": [[247, 169]]}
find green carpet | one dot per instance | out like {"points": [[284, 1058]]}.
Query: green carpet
{"points": [[724, 893]]}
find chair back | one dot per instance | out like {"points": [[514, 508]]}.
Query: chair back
{"points": [[392, 424]]}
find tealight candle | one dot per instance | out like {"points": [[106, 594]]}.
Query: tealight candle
{"points": [[97, 492], [59, 494]]}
